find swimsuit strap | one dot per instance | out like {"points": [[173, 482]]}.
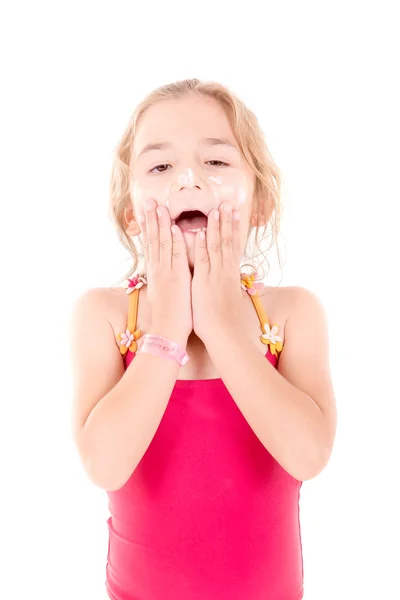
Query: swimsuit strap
{"points": [[133, 310], [128, 338], [269, 335]]}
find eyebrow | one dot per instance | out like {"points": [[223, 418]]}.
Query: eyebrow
{"points": [[211, 142]]}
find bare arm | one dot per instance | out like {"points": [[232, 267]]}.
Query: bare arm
{"points": [[292, 410], [115, 413]]}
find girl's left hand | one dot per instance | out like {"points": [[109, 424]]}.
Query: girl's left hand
{"points": [[216, 291]]}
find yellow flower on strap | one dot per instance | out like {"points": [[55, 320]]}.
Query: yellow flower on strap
{"points": [[269, 337], [127, 340], [249, 285]]}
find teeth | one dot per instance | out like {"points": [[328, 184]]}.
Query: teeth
{"points": [[198, 229]]}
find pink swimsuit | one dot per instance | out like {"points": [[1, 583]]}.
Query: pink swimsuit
{"points": [[208, 513]]}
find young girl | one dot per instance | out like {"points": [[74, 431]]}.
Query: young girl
{"points": [[202, 398]]}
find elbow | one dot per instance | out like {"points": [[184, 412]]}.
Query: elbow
{"points": [[104, 476], [313, 465], [103, 468]]}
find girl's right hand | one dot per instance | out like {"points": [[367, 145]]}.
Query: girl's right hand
{"points": [[168, 274]]}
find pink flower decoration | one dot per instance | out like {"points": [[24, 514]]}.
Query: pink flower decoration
{"points": [[126, 338], [254, 288], [248, 285], [135, 283]]}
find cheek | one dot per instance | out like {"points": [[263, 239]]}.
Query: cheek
{"points": [[156, 188], [231, 188]]}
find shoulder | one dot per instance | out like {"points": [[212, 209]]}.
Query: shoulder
{"points": [[305, 309], [110, 304], [99, 302], [290, 297], [301, 314], [93, 299], [290, 305]]}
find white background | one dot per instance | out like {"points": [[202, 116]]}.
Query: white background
{"points": [[321, 77]]}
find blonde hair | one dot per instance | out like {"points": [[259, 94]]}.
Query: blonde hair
{"points": [[251, 141]]}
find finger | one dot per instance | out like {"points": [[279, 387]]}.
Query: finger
{"points": [[143, 231], [236, 242], [165, 241], [213, 239], [226, 232], [152, 231], [201, 258], [179, 257]]}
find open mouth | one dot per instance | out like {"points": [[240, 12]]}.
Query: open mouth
{"points": [[191, 221]]}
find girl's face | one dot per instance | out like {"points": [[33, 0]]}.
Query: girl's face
{"points": [[185, 157]]}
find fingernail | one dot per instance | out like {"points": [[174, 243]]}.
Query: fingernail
{"points": [[148, 204], [141, 218], [159, 211], [216, 215], [227, 208], [174, 229], [202, 235], [236, 215]]}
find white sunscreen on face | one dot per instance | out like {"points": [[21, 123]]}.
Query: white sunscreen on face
{"points": [[186, 177], [227, 192], [217, 180], [241, 197]]}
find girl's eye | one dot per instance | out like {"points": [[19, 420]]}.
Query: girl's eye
{"points": [[164, 167], [161, 167], [220, 163]]}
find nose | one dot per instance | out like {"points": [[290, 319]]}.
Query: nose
{"points": [[187, 179]]}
